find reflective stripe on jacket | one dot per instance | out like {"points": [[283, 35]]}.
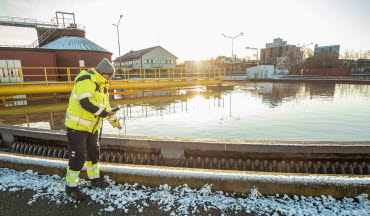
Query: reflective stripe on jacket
{"points": [[89, 103]]}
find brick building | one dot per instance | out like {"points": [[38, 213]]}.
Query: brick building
{"points": [[278, 52]]}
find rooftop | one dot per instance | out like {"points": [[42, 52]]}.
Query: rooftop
{"points": [[138, 53], [74, 43]]}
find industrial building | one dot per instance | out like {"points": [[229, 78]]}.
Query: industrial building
{"points": [[329, 49], [60, 43]]}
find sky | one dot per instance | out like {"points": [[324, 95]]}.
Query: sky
{"points": [[191, 29]]}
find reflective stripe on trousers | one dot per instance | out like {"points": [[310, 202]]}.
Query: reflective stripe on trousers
{"points": [[93, 170], [72, 177]]}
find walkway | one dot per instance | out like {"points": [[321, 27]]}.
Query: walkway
{"points": [[38, 80]]}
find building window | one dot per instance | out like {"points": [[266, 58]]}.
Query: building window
{"points": [[149, 61], [9, 71], [82, 63]]}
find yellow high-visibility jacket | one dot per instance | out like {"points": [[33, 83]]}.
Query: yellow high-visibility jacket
{"points": [[89, 103]]}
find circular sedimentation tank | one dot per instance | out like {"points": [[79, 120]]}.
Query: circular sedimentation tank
{"points": [[215, 161]]}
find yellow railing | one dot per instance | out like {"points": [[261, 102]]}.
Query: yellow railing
{"points": [[66, 75]]}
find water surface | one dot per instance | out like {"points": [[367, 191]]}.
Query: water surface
{"points": [[324, 111]]}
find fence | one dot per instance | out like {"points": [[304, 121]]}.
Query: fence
{"points": [[66, 75]]}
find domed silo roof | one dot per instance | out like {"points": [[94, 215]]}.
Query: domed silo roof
{"points": [[74, 43]]}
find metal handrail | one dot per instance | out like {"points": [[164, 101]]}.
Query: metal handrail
{"points": [[33, 22], [25, 20], [55, 75], [43, 37]]}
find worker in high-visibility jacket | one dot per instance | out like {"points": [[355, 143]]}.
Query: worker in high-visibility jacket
{"points": [[88, 106]]}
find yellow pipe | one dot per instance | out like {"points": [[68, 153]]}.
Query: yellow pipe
{"points": [[115, 85], [34, 89], [148, 84], [40, 108]]}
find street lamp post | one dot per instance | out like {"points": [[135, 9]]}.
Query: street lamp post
{"points": [[232, 42], [119, 45]]}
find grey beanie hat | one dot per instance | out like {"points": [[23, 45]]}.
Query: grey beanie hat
{"points": [[105, 67]]}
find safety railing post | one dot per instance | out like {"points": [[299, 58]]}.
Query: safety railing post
{"points": [[140, 73], [159, 73], [46, 76], [20, 76], [155, 73], [69, 75], [51, 119], [144, 73]]}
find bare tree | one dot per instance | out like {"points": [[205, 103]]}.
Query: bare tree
{"points": [[306, 53], [322, 60], [292, 63], [354, 55]]}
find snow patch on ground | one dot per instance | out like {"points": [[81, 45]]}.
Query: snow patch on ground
{"points": [[182, 200], [199, 174]]}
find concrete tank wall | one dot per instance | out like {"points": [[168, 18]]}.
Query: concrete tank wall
{"points": [[59, 32]]}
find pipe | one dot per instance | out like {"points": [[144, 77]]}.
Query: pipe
{"points": [[122, 85], [39, 108]]}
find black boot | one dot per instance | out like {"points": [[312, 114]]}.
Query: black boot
{"points": [[99, 182], [75, 193]]}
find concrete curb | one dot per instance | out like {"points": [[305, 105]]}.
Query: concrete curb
{"points": [[338, 186]]}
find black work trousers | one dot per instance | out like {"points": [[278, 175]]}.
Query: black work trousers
{"points": [[82, 146]]}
